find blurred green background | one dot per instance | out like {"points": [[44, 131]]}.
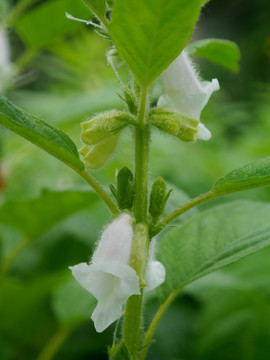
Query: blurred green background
{"points": [[49, 219]]}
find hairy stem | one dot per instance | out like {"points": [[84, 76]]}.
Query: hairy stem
{"points": [[133, 317], [141, 163]]}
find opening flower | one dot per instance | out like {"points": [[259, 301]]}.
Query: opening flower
{"points": [[186, 93], [109, 278]]}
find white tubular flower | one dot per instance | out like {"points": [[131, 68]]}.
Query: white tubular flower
{"points": [[109, 278], [6, 67], [185, 92]]}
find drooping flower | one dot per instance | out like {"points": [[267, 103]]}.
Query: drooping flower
{"points": [[109, 277], [186, 93]]}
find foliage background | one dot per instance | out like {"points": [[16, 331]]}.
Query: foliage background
{"points": [[64, 79]]}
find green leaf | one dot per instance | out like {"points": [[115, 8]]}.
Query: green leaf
{"points": [[253, 174], [150, 34], [221, 52], [212, 240], [72, 304], [47, 137], [34, 216], [47, 22], [98, 7]]}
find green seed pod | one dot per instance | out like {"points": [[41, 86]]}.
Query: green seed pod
{"points": [[175, 124], [95, 156], [125, 189], [103, 126], [158, 199]]}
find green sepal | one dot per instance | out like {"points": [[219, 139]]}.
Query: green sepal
{"points": [[131, 101], [95, 156], [103, 126], [125, 189], [158, 199], [174, 123], [119, 352]]}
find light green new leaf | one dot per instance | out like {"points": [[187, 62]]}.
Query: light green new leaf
{"points": [[36, 215], [47, 137], [212, 240], [253, 174], [98, 7], [221, 52], [150, 34], [47, 22]]}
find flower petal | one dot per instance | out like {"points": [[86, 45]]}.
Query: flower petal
{"points": [[203, 133], [111, 283], [116, 240], [155, 271], [155, 275]]}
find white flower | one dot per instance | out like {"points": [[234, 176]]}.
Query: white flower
{"points": [[109, 278], [6, 67], [185, 92]]}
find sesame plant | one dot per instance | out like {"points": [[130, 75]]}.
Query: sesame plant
{"points": [[141, 253]]}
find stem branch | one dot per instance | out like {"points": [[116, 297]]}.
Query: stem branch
{"points": [[181, 209]]}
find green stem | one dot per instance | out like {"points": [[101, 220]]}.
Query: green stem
{"points": [[54, 344], [132, 324], [181, 209], [152, 328], [99, 190], [133, 316], [141, 163]]}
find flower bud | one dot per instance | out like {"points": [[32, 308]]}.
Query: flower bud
{"points": [[131, 102], [175, 124], [95, 156], [125, 189], [158, 199], [102, 126]]}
